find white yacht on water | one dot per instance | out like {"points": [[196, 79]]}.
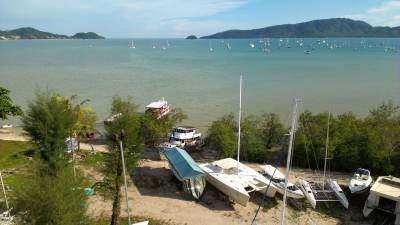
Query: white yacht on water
{"points": [[235, 179]]}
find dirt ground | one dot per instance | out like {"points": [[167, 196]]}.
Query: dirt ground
{"points": [[156, 193]]}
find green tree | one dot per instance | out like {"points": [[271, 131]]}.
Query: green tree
{"points": [[272, 129], [383, 132], [129, 123], [221, 136], [6, 105], [252, 146], [51, 200], [154, 129], [48, 121], [51, 194]]}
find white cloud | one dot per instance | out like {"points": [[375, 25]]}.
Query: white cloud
{"points": [[385, 14]]}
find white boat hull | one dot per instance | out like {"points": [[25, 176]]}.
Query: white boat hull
{"points": [[291, 194], [358, 187], [338, 192], [239, 196], [308, 193]]}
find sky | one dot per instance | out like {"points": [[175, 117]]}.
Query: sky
{"points": [[180, 18]]}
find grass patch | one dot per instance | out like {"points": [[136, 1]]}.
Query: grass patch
{"points": [[13, 153], [96, 160]]}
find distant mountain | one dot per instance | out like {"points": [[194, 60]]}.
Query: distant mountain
{"points": [[88, 35], [337, 27], [191, 37], [32, 33]]}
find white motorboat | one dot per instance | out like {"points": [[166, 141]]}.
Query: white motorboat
{"points": [[307, 190], [5, 126], [236, 180], [278, 179], [184, 136], [361, 181], [158, 108]]}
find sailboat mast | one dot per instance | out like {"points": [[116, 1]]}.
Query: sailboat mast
{"points": [[326, 144], [126, 187], [289, 156], [4, 192], [239, 119]]}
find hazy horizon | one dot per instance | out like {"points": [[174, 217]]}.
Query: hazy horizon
{"points": [[179, 18]]}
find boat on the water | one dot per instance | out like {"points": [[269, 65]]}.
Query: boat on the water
{"points": [[278, 179], [187, 171], [361, 181], [132, 45], [236, 180], [158, 108], [185, 136]]}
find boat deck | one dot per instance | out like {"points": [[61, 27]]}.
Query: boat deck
{"points": [[323, 193]]}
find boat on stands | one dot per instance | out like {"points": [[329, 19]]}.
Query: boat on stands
{"points": [[187, 171], [158, 108], [185, 136], [163, 147], [326, 189], [278, 179], [236, 180], [361, 181]]}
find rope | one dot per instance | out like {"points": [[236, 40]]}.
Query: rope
{"points": [[280, 159]]}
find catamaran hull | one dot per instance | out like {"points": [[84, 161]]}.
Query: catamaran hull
{"points": [[339, 193], [308, 193], [233, 194], [290, 194]]}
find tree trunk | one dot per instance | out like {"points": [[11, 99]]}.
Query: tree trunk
{"points": [[117, 196]]}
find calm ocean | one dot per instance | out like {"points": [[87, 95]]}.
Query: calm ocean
{"points": [[340, 75]]}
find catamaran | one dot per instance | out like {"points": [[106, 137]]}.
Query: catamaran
{"points": [[327, 190], [278, 179], [235, 179], [361, 181]]}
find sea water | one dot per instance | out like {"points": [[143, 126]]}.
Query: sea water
{"points": [[338, 74]]}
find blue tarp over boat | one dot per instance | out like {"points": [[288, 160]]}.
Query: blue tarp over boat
{"points": [[183, 164], [186, 170]]}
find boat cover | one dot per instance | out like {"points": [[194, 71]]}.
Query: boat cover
{"points": [[186, 170]]}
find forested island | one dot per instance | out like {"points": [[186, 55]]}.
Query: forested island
{"points": [[32, 33], [336, 27]]}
